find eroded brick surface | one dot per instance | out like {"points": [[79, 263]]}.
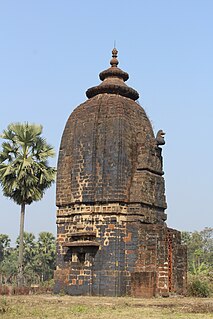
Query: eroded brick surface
{"points": [[125, 248], [108, 153]]}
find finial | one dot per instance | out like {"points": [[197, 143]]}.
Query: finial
{"points": [[114, 61], [113, 81]]}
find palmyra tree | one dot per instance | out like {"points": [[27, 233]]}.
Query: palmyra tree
{"points": [[24, 170]]}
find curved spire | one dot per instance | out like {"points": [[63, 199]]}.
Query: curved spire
{"points": [[113, 81]]}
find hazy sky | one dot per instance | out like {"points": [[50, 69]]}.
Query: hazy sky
{"points": [[52, 51]]}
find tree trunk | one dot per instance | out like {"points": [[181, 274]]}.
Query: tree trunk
{"points": [[20, 277]]}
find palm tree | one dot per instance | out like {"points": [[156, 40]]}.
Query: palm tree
{"points": [[24, 170], [46, 255]]}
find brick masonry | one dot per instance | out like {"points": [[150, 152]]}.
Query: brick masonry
{"points": [[130, 258], [112, 237]]}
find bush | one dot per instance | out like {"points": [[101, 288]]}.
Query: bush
{"points": [[198, 288], [4, 307]]}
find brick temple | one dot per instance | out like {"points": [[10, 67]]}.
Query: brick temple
{"points": [[112, 237]]}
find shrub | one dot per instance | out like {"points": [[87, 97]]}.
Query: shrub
{"points": [[4, 307], [198, 288]]}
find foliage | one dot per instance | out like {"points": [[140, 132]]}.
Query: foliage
{"points": [[3, 305], [200, 261], [38, 260], [200, 250], [46, 256], [9, 267], [4, 245], [8, 259], [24, 170], [198, 288], [29, 255]]}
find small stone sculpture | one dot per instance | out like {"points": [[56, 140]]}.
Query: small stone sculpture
{"points": [[160, 137]]}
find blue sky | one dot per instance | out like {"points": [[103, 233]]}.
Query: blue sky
{"points": [[52, 52]]}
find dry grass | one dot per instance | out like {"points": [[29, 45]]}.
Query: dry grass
{"points": [[68, 307]]}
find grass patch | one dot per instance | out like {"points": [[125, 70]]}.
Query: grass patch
{"points": [[4, 307], [69, 307]]}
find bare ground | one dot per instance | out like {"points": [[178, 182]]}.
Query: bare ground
{"points": [[69, 307]]}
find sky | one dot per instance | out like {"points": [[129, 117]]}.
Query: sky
{"points": [[52, 51]]}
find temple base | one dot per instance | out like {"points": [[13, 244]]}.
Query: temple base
{"points": [[107, 253]]}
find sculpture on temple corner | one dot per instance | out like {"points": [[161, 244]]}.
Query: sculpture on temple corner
{"points": [[160, 137]]}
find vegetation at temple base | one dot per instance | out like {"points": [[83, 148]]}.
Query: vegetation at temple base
{"points": [[38, 259], [200, 261], [24, 171]]}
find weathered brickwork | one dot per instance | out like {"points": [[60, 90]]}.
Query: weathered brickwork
{"points": [[108, 145], [112, 234], [113, 252]]}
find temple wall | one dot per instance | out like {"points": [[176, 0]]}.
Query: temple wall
{"points": [[103, 251]]}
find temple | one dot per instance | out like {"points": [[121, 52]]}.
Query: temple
{"points": [[112, 237]]}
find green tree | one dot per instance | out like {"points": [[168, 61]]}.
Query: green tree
{"points": [[46, 255], [200, 261], [24, 170], [4, 246], [29, 255], [8, 267], [200, 250], [207, 236], [8, 260]]}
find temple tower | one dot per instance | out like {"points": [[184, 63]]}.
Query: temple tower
{"points": [[112, 237]]}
